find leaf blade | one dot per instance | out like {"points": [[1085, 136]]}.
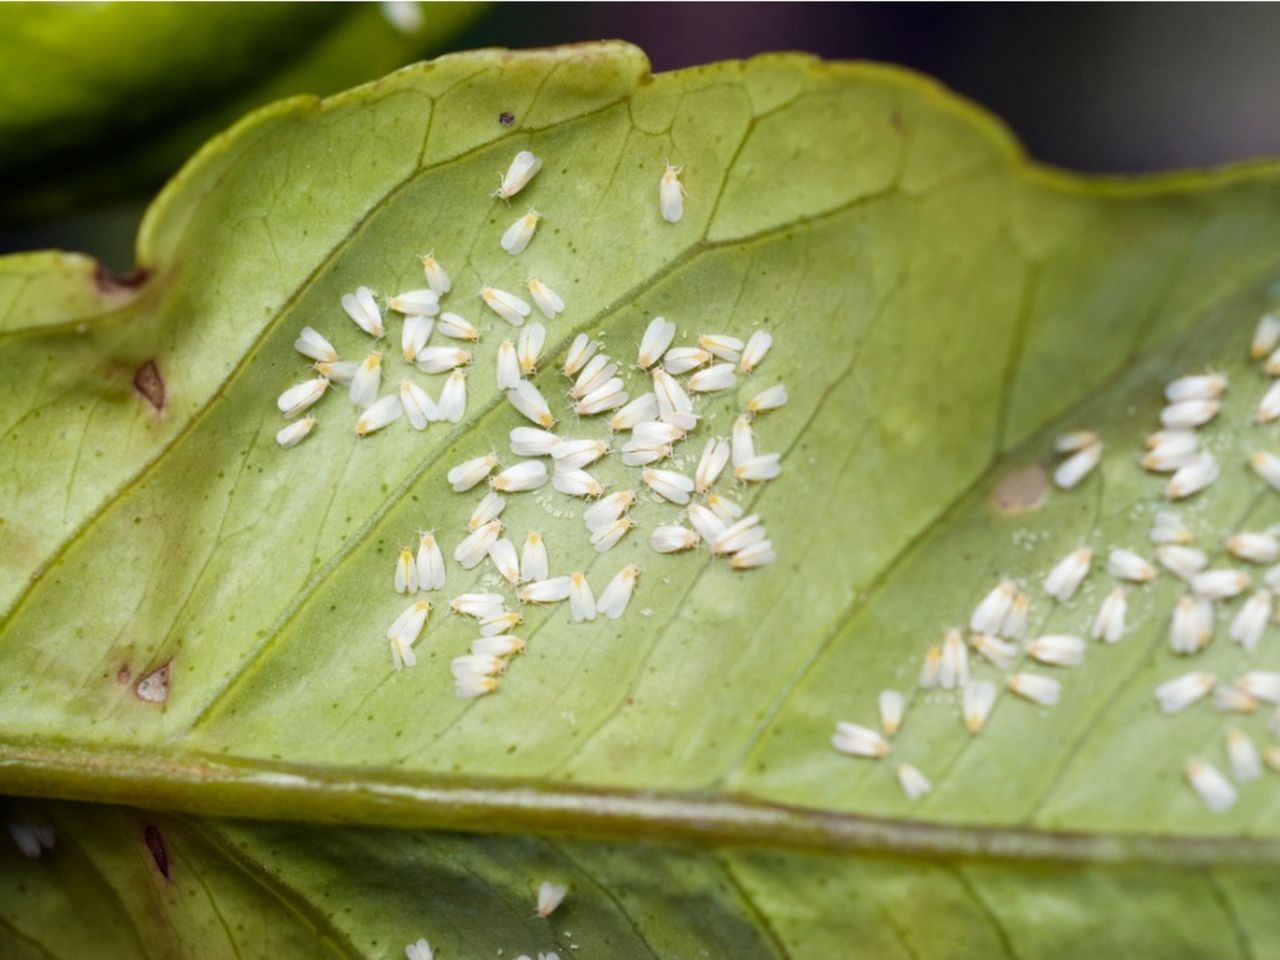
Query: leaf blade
{"points": [[919, 372]]}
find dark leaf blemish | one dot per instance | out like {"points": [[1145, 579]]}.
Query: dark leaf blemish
{"points": [[154, 687], [147, 381], [506, 119], [108, 282], [155, 844]]}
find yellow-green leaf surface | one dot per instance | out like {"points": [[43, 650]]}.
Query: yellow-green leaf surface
{"points": [[941, 309], [100, 98], [155, 885]]}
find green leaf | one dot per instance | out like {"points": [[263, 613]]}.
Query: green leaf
{"points": [[942, 308], [97, 99], [275, 890]]}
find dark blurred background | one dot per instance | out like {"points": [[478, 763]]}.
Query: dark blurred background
{"points": [[1115, 88], [1102, 88]]}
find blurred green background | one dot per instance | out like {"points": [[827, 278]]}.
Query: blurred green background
{"points": [[101, 103]]}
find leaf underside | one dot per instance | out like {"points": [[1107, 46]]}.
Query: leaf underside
{"points": [[246, 890], [940, 308]]}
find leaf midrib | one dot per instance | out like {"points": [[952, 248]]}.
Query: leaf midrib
{"points": [[206, 784]]}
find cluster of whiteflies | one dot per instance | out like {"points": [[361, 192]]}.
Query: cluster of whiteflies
{"points": [[550, 896], [999, 624], [1081, 451], [656, 423], [997, 628], [1266, 347], [1244, 761], [423, 318], [1192, 402], [363, 379], [475, 674]]}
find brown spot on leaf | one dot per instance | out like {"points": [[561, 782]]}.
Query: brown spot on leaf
{"points": [[147, 381], [154, 687], [154, 840], [109, 282], [1021, 491], [124, 675], [506, 119]]}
